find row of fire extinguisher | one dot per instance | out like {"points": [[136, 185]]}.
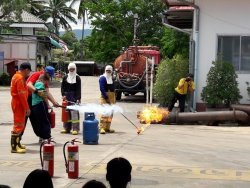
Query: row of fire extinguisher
{"points": [[72, 164], [47, 159]]}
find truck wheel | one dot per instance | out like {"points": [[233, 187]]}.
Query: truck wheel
{"points": [[118, 95]]}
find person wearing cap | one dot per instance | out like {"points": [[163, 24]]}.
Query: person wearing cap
{"points": [[71, 92], [20, 107], [48, 72], [107, 97], [180, 93]]}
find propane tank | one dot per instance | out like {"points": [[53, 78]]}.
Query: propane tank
{"points": [[47, 161], [90, 129], [64, 112], [72, 165], [52, 115]]}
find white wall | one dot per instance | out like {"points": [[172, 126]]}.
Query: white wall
{"points": [[27, 31], [221, 17], [24, 51]]}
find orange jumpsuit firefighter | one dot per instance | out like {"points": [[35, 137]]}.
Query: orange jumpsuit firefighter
{"points": [[20, 107]]}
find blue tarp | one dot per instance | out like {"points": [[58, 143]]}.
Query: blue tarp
{"points": [[56, 44]]}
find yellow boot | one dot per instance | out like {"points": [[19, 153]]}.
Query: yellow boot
{"points": [[64, 131], [108, 123], [15, 144], [102, 131], [75, 132]]}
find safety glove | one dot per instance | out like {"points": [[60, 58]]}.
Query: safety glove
{"points": [[41, 93]]}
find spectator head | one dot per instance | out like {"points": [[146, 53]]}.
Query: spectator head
{"points": [[118, 172], [39, 179], [94, 184], [50, 71], [4, 186]]}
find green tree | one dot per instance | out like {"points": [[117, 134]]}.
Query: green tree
{"points": [[174, 42], [221, 85], [113, 24], [69, 37], [60, 13], [11, 10], [36, 7], [168, 75], [82, 12]]}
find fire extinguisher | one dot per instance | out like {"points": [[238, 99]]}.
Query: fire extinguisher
{"points": [[72, 165], [47, 161], [52, 115], [64, 112]]}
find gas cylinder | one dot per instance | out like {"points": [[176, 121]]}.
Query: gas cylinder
{"points": [[72, 165], [52, 115], [47, 161], [90, 129], [64, 112]]}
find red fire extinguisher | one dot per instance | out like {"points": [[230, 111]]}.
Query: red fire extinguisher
{"points": [[47, 161], [72, 165], [52, 115], [64, 112]]}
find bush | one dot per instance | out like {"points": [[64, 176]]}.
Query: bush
{"points": [[169, 72], [4, 79], [222, 86], [248, 90]]}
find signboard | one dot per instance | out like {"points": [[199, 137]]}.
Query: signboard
{"points": [[1, 55], [2, 59]]}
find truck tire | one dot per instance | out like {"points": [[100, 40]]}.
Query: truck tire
{"points": [[118, 95]]}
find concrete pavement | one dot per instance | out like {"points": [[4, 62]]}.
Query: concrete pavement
{"points": [[162, 156]]}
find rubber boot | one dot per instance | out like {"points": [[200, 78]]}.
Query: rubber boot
{"points": [[102, 131], [108, 123], [15, 144], [64, 131]]}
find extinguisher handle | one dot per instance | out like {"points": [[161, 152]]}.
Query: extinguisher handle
{"points": [[74, 140]]}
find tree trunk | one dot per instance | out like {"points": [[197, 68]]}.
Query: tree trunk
{"points": [[82, 45]]}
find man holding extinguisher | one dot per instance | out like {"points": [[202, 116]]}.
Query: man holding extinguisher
{"points": [[20, 107], [49, 72]]}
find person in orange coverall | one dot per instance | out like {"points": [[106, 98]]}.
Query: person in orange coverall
{"points": [[20, 107]]}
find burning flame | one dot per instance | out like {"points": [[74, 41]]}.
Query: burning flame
{"points": [[152, 115]]}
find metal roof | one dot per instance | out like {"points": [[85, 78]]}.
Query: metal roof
{"points": [[176, 2], [28, 18], [83, 62], [179, 14], [30, 25]]}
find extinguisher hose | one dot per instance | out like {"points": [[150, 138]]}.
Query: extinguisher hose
{"points": [[66, 164], [41, 153]]}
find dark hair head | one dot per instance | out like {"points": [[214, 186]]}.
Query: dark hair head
{"points": [[39, 179], [25, 65], [4, 186], [190, 75], [94, 184], [118, 172]]}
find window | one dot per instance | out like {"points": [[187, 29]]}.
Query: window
{"points": [[235, 49], [12, 30]]}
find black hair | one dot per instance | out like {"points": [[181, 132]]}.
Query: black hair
{"points": [[190, 75], [4, 186], [94, 184], [39, 179], [118, 172]]}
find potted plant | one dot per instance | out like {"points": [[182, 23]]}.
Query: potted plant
{"points": [[221, 88]]}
